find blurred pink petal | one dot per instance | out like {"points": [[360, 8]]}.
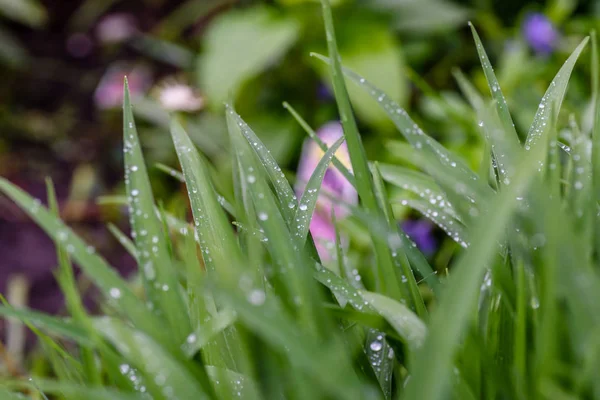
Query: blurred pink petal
{"points": [[115, 28], [109, 92], [335, 190]]}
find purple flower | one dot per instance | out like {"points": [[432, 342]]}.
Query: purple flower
{"points": [[421, 232], [109, 92], [335, 189], [540, 33], [324, 93]]}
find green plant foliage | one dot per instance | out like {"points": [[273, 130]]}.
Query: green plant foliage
{"points": [[238, 304]]}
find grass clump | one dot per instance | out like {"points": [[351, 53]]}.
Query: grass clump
{"points": [[248, 309]]}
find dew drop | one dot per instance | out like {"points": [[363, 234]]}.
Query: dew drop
{"points": [[115, 293], [375, 346]]}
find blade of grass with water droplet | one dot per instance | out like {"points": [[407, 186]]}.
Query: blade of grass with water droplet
{"points": [[433, 362], [441, 218], [413, 134], [216, 237], [308, 202], [378, 350], [66, 281], [292, 280], [311, 133], [386, 280], [209, 330], [58, 326], [163, 372], [106, 278], [596, 132], [69, 390], [551, 103], [581, 198], [284, 191], [399, 257], [509, 132], [503, 147], [153, 256], [420, 184], [410, 327], [325, 363], [218, 245], [123, 239]]}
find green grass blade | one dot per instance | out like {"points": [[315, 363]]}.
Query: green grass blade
{"points": [[106, 278], [441, 218], [399, 257], [67, 389], [410, 327], [358, 158], [209, 330], [411, 131], [381, 357], [66, 280], [386, 278], [421, 185], [215, 235], [123, 239], [552, 100], [308, 202], [510, 134], [433, 363], [285, 194], [165, 375], [160, 278], [58, 326], [311, 133]]}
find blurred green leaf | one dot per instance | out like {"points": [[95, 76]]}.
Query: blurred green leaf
{"points": [[423, 16], [239, 45], [28, 12]]}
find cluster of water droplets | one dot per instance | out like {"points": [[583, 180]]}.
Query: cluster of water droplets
{"points": [[135, 378]]}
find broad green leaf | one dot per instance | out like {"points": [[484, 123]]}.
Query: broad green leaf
{"points": [[95, 267], [308, 202], [239, 45], [154, 261]]}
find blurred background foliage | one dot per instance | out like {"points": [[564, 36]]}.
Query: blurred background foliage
{"points": [[62, 65]]}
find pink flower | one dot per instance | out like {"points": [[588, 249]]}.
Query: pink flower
{"points": [[109, 92], [335, 190], [115, 28]]}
